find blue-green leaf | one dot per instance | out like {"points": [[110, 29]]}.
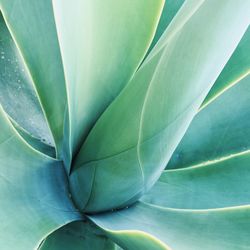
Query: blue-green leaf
{"points": [[169, 11], [17, 94], [32, 27], [102, 44], [220, 129], [33, 192], [138, 133], [237, 68], [149, 227], [216, 184], [38, 144], [77, 236]]}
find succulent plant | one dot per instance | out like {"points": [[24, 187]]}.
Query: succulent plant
{"points": [[124, 124]]}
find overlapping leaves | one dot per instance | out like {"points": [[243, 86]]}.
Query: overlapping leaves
{"points": [[139, 131], [58, 64]]}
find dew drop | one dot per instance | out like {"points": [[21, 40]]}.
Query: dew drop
{"points": [[43, 140]]}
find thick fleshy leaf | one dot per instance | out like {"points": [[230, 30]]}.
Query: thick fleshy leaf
{"points": [[33, 192], [223, 183], [102, 44], [138, 133], [32, 27], [237, 68], [34, 142], [133, 228], [17, 94], [77, 236], [220, 129], [170, 9], [181, 18]]}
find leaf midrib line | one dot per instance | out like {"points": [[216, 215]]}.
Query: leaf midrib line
{"points": [[179, 115], [211, 162], [162, 49], [29, 74]]}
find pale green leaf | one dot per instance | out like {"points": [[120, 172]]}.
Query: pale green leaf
{"points": [[237, 68], [137, 134], [102, 44], [33, 192], [170, 9], [77, 236], [148, 227], [38, 144], [32, 27], [17, 94], [218, 184], [219, 130]]}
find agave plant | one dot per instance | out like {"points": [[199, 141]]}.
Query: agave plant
{"points": [[124, 124]]}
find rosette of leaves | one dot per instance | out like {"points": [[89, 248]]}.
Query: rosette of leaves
{"points": [[124, 124]]}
